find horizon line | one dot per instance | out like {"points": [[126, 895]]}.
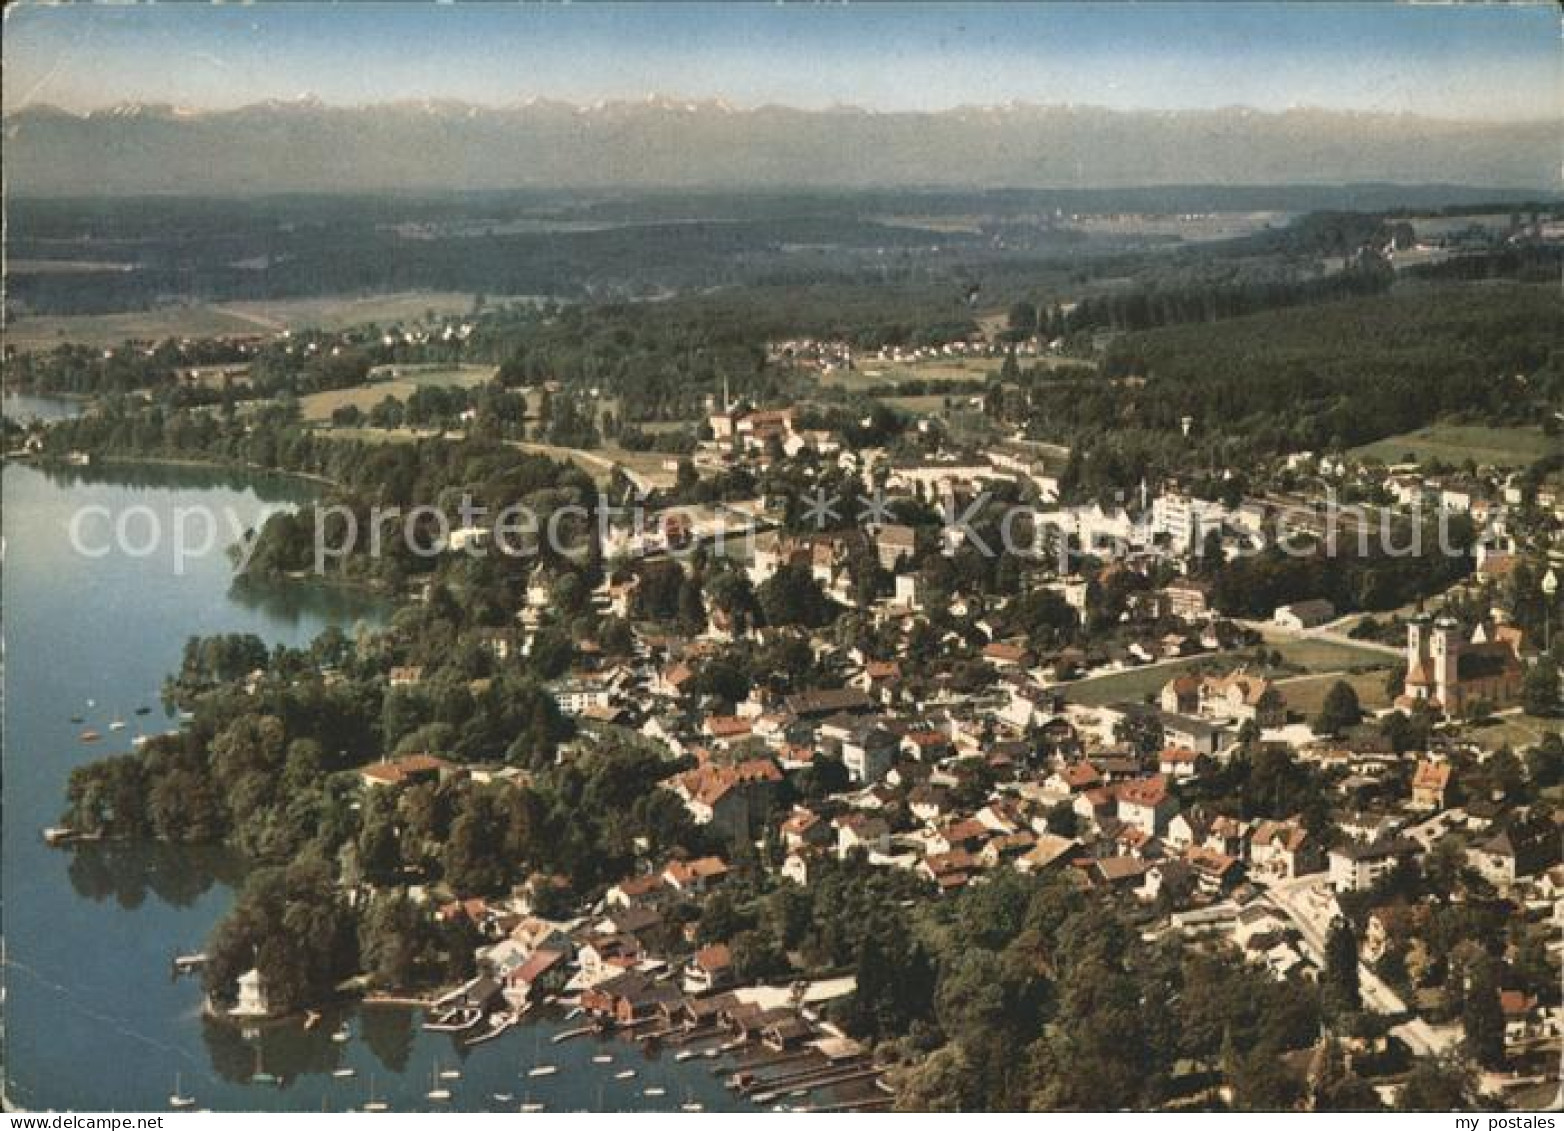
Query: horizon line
{"points": [[668, 100]]}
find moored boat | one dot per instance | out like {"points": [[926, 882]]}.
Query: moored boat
{"points": [[438, 1092]]}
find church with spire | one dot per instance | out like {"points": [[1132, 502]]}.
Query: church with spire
{"points": [[1450, 670]]}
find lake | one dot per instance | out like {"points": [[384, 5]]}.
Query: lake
{"points": [[93, 1020], [24, 407]]}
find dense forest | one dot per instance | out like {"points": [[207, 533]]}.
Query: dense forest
{"points": [[1328, 376]]}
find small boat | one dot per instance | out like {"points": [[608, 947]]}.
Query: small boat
{"points": [[117, 724], [602, 1058], [542, 1070], [143, 710], [311, 1019], [373, 1104], [655, 1092], [693, 1105], [266, 1079], [188, 963], [438, 1092], [763, 1097], [686, 1054], [625, 1075], [503, 1097], [92, 703], [343, 1034], [344, 1073], [531, 1106], [799, 1093], [450, 1073], [711, 1054], [178, 1100], [77, 720], [90, 736]]}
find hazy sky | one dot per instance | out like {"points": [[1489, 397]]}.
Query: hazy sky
{"points": [[1476, 61]]}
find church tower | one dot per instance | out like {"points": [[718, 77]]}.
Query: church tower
{"points": [[1444, 656], [1419, 674]]}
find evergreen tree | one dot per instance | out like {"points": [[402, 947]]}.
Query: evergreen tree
{"points": [[1341, 968], [1482, 1017]]}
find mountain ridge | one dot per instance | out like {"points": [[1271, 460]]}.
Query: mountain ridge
{"points": [[305, 144]]}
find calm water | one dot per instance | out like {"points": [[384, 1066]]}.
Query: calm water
{"points": [[93, 1020], [22, 407]]}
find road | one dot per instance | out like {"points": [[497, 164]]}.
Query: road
{"points": [[1309, 904], [554, 451]]}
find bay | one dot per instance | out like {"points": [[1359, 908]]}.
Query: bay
{"points": [[93, 1019]]}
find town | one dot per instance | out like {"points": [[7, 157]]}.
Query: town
{"points": [[921, 659], [970, 558]]}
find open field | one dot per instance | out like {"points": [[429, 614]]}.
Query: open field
{"points": [[872, 374], [236, 318], [1457, 443], [1134, 685], [1315, 654], [929, 404], [1516, 731], [1312, 656], [318, 407], [1305, 696], [101, 330], [338, 312]]}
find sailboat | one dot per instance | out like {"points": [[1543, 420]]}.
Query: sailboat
{"points": [[179, 1101], [537, 1046], [438, 1091], [373, 1104]]}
